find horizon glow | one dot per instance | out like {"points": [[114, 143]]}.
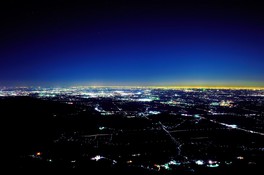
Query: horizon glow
{"points": [[133, 44]]}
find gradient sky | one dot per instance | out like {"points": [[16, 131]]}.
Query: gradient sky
{"points": [[118, 42]]}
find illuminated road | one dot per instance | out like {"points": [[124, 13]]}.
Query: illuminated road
{"points": [[233, 126], [117, 107], [177, 143], [250, 110], [172, 138], [97, 135], [195, 130]]}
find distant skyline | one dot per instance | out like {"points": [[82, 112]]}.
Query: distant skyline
{"points": [[132, 43]]}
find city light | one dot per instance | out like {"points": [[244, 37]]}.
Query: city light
{"points": [[199, 162], [129, 127], [97, 157]]}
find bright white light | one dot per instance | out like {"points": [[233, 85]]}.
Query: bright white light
{"points": [[172, 162], [136, 154], [240, 157], [199, 162], [101, 128], [213, 165], [129, 161], [212, 162], [98, 157], [154, 112], [231, 126], [144, 100]]}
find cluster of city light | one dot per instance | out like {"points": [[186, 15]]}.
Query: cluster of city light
{"points": [[207, 163], [97, 157], [228, 103]]}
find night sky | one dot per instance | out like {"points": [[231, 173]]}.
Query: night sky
{"points": [[158, 42]]}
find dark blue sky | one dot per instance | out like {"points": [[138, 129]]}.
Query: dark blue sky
{"points": [[132, 43]]}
